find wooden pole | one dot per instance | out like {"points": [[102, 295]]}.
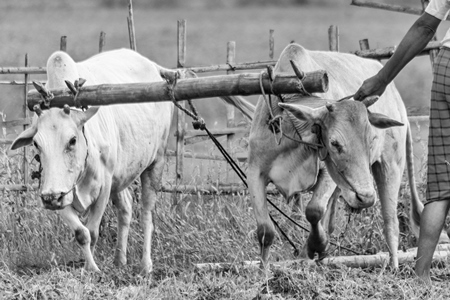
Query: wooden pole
{"points": [[389, 7], [333, 38], [364, 44], [387, 52], [23, 70], [131, 31], [101, 42], [25, 113], [63, 43], [231, 59], [181, 117], [192, 88], [271, 44]]}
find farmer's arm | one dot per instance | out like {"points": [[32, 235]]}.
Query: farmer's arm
{"points": [[415, 40]]}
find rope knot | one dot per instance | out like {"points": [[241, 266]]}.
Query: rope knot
{"points": [[199, 124], [75, 88]]}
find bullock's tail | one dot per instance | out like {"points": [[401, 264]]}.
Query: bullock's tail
{"points": [[416, 206]]}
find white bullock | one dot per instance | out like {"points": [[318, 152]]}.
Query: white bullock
{"points": [[89, 157], [353, 149]]}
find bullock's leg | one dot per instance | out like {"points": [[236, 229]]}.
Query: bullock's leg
{"points": [[96, 211], [317, 240], [122, 201], [265, 228], [388, 178], [151, 183], [82, 236]]}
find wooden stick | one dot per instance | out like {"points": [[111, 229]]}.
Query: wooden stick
{"points": [[130, 21], [333, 38], [240, 157], [271, 43], [231, 58], [181, 117], [15, 123], [364, 44], [194, 189], [63, 43], [237, 66], [25, 114], [361, 261], [195, 88], [387, 52], [23, 70], [101, 42], [389, 7]]}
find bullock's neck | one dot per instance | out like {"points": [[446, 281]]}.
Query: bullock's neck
{"points": [[87, 188]]}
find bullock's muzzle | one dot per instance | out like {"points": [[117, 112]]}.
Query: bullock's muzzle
{"points": [[53, 201]]}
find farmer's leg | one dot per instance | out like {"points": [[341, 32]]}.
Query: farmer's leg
{"points": [[431, 223], [438, 173]]}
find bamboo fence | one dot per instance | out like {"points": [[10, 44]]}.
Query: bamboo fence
{"points": [[183, 136]]}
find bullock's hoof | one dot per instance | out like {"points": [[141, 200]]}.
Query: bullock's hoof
{"points": [[146, 269], [324, 253], [92, 268], [314, 246]]}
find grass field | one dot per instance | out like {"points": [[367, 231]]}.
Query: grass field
{"points": [[38, 257]]}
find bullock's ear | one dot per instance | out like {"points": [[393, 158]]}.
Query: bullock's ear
{"points": [[24, 139], [81, 117], [382, 121], [304, 113]]}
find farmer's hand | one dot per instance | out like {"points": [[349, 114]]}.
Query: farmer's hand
{"points": [[372, 86]]}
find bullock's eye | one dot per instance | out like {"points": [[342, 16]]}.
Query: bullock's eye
{"points": [[72, 142], [336, 145]]}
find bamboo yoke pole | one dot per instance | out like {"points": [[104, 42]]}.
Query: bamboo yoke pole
{"points": [[192, 88]]}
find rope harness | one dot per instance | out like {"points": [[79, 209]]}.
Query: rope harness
{"points": [[200, 124]]}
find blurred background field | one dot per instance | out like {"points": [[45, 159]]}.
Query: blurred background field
{"points": [[36, 249]]}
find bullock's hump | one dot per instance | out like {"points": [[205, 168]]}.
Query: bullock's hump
{"points": [[60, 67], [293, 52]]}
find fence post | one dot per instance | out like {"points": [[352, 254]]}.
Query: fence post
{"points": [[271, 43], [231, 60], [25, 112], [130, 21], [364, 44], [101, 42], [181, 118], [63, 43], [333, 38]]}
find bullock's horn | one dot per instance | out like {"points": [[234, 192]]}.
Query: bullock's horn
{"points": [[37, 109], [66, 109], [330, 107], [368, 101], [71, 87], [299, 73], [81, 81], [41, 89]]}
